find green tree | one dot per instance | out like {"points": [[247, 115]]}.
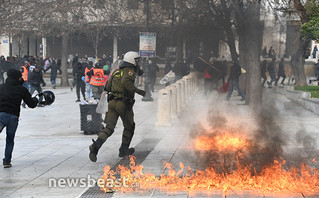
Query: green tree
{"points": [[311, 28]]}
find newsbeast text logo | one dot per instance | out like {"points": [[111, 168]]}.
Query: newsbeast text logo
{"points": [[90, 182]]}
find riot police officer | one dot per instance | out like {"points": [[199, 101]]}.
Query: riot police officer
{"points": [[121, 91]]}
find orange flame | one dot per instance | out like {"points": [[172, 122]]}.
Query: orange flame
{"points": [[221, 143], [274, 178]]}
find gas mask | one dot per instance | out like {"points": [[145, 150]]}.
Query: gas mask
{"points": [[139, 71]]}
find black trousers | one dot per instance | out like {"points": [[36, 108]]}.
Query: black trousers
{"points": [[283, 78], [80, 86]]}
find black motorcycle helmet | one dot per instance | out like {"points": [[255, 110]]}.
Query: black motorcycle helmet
{"points": [[49, 97], [98, 65]]}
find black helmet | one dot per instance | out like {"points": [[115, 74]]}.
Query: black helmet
{"points": [[49, 97], [98, 65]]}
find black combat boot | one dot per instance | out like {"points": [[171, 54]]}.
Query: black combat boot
{"points": [[124, 150], [94, 149]]}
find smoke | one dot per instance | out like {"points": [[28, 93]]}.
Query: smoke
{"points": [[269, 136], [266, 130]]}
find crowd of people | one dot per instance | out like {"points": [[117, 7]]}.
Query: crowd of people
{"points": [[274, 73], [89, 78]]}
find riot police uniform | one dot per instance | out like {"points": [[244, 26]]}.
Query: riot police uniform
{"points": [[121, 91]]}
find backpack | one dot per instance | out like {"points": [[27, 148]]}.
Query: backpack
{"points": [[106, 67]]}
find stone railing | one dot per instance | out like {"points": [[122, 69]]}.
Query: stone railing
{"points": [[174, 98], [302, 98]]}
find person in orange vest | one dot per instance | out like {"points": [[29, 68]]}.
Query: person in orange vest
{"points": [[25, 71], [88, 86], [97, 80]]}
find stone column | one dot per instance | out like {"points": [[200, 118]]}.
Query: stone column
{"points": [[44, 47], [115, 47]]}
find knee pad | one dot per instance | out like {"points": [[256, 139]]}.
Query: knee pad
{"points": [[105, 133]]}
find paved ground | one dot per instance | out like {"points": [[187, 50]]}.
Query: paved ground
{"points": [[49, 144]]}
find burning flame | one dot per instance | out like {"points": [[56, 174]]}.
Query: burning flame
{"points": [[221, 143], [276, 177]]}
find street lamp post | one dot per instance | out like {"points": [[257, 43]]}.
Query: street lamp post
{"points": [[147, 81]]}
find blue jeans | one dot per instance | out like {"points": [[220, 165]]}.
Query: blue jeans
{"points": [[26, 84], [52, 79], [88, 90], [235, 83], [11, 123], [38, 89]]}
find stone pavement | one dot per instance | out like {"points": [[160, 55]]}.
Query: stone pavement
{"points": [[50, 146]]}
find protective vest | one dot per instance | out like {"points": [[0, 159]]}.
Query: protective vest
{"points": [[114, 84], [98, 78], [25, 73], [87, 79]]}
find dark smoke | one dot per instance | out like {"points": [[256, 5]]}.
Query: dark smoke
{"points": [[268, 138]]}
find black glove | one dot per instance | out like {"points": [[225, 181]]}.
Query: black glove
{"points": [[35, 99], [140, 72], [40, 94], [44, 84], [141, 92]]}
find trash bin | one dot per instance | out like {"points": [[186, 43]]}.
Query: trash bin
{"points": [[91, 122]]}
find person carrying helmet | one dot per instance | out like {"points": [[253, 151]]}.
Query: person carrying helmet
{"points": [[121, 91], [12, 92], [97, 80], [36, 79]]}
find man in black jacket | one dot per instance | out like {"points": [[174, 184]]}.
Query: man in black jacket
{"points": [[11, 94], [235, 72], [36, 79], [54, 72], [78, 82], [263, 66], [281, 72]]}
